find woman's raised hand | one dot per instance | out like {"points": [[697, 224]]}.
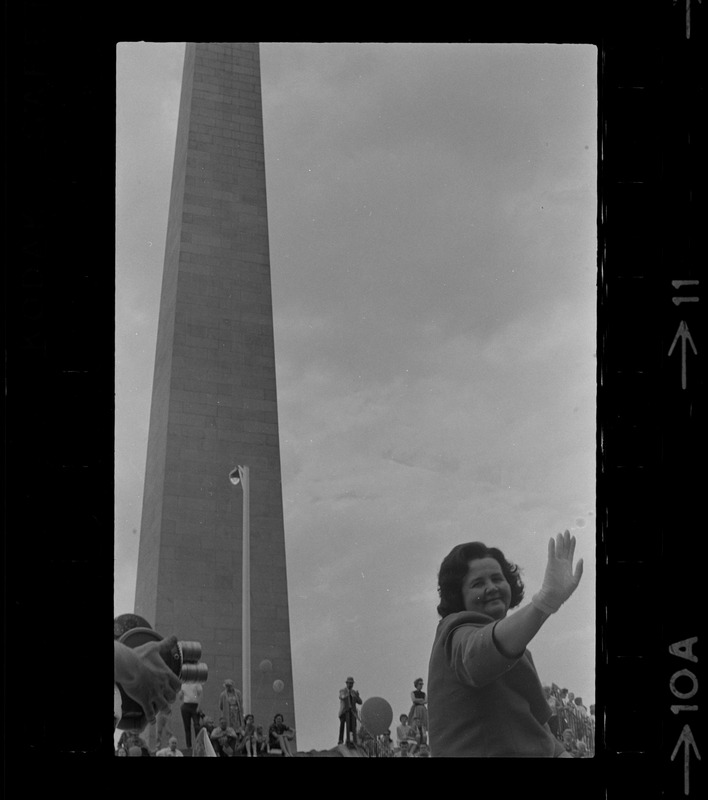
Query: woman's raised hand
{"points": [[560, 581]]}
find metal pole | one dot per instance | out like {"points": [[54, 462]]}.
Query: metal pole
{"points": [[246, 595]]}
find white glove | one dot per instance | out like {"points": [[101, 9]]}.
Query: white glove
{"points": [[559, 581]]}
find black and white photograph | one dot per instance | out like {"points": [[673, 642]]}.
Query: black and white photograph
{"points": [[355, 329], [359, 380]]}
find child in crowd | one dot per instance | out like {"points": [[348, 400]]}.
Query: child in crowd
{"points": [[249, 738], [261, 741], [405, 733]]}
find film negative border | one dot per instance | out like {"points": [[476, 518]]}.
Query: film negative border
{"points": [[651, 345], [650, 406]]}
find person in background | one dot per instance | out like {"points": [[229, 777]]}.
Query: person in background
{"points": [[248, 734], [385, 745], [402, 729], [261, 741], [190, 696], [580, 708], [366, 740], [130, 739], [348, 700], [574, 717], [569, 743], [208, 724], [404, 733], [280, 736], [164, 726], [231, 705], [418, 717], [171, 751], [402, 751], [553, 704], [485, 698], [582, 750], [564, 712], [584, 722], [225, 739]]}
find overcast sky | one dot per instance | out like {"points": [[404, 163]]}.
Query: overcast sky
{"points": [[432, 226]]}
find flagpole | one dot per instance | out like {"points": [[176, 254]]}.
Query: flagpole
{"points": [[241, 475]]}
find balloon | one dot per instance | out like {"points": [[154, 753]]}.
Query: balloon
{"points": [[376, 715], [278, 686], [265, 665]]}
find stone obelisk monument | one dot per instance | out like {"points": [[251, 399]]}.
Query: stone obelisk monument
{"points": [[214, 396]]}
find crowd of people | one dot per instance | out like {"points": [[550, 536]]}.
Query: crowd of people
{"points": [[209, 739], [235, 733], [412, 733], [486, 697], [571, 721], [412, 730]]}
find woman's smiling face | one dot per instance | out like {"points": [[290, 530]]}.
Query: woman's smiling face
{"points": [[485, 589]]}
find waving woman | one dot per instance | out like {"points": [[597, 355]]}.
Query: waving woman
{"points": [[485, 699]]}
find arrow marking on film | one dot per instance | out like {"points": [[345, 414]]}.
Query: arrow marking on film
{"points": [[684, 335], [686, 738]]}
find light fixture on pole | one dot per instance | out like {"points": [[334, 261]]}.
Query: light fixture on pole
{"points": [[240, 475]]}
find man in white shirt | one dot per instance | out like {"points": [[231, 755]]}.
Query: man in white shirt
{"points": [[224, 739], [171, 750], [190, 696]]}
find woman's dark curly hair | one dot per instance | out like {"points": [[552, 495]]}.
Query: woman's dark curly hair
{"points": [[456, 565]]}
